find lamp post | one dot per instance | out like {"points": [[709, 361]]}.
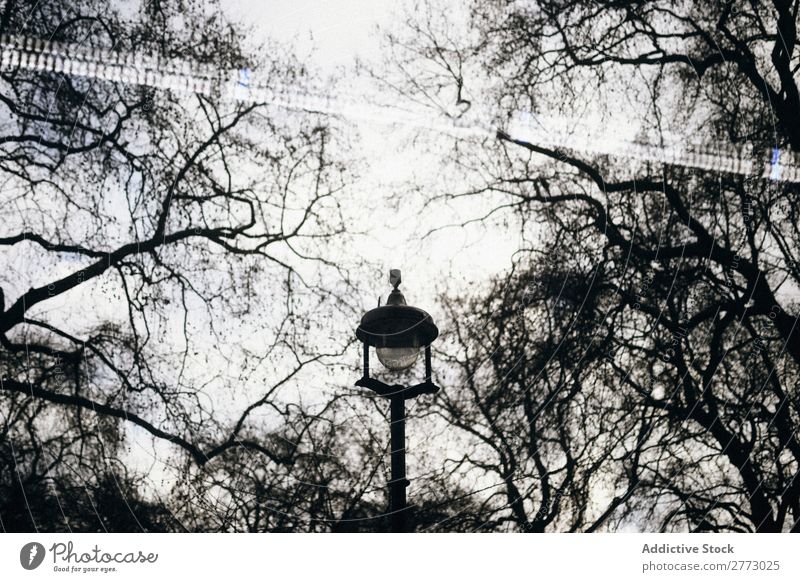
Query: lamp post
{"points": [[398, 332]]}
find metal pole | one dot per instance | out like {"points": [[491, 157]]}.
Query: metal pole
{"points": [[398, 517], [428, 373]]}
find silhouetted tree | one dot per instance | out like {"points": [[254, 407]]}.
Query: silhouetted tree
{"points": [[164, 267], [668, 364]]}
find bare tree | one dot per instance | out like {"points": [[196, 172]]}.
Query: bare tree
{"points": [[166, 260], [681, 283]]}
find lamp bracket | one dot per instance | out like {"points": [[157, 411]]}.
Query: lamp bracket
{"points": [[392, 390]]}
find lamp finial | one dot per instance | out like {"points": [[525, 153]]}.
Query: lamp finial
{"points": [[394, 277]]}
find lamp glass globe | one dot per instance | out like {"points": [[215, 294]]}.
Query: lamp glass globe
{"points": [[397, 359]]}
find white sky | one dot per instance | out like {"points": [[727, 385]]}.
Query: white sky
{"points": [[331, 35], [338, 29]]}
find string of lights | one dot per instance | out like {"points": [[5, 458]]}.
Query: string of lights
{"points": [[244, 85]]}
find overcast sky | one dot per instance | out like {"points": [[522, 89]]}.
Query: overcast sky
{"points": [[338, 29], [331, 35]]}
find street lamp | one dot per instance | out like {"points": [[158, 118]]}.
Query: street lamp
{"points": [[398, 332]]}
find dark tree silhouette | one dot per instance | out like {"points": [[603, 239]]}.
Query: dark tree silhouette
{"points": [[659, 390], [163, 260]]}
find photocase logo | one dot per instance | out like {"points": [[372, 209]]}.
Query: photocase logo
{"points": [[31, 555]]}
